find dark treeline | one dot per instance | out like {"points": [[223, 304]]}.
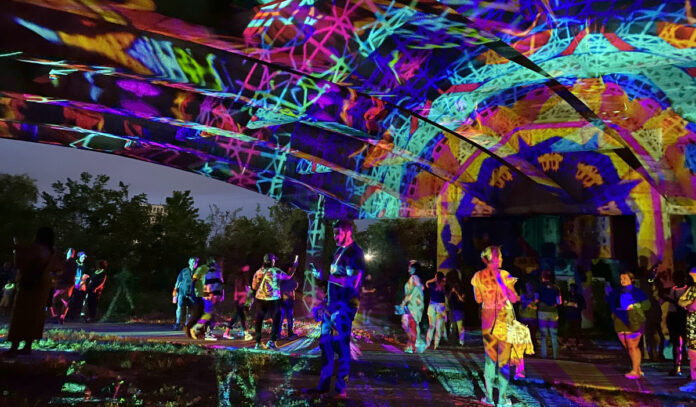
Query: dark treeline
{"points": [[114, 224]]}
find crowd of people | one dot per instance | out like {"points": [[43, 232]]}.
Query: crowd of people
{"points": [[69, 289]]}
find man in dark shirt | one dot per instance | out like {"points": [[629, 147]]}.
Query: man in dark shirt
{"points": [[345, 280]]}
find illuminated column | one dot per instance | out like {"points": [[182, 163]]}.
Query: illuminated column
{"points": [[449, 232], [316, 234], [654, 228]]}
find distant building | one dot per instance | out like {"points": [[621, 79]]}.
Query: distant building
{"points": [[155, 211]]}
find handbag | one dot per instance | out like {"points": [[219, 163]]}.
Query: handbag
{"points": [[519, 336]]}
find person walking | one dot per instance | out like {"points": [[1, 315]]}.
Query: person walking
{"points": [[494, 289], [412, 305], [183, 293], [213, 295], [437, 309], [65, 283], [241, 284], [266, 289]]}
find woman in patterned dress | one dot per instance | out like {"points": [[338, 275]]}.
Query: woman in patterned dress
{"points": [[413, 302], [688, 301], [494, 289]]}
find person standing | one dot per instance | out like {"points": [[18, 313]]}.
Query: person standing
{"points": [[183, 295], [676, 320], [266, 289], [572, 310], [628, 305], [287, 300], [65, 283], [198, 308], [548, 297], [213, 295], [367, 298], [494, 289], [457, 305], [35, 263], [413, 303], [688, 301], [437, 309], [342, 301], [241, 286], [95, 287], [79, 292]]}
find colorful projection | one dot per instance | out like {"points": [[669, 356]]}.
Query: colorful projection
{"points": [[376, 109]]}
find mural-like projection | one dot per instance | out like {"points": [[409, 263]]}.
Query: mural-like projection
{"points": [[383, 109]]}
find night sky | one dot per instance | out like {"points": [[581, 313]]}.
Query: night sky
{"points": [[48, 164]]}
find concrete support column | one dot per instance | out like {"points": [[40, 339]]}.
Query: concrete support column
{"points": [[316, 233]]}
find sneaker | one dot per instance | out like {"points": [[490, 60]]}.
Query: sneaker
{"points": [[248, 337], [258, 346], [487, 401], [227, 336], [689, 387], [192, 332], [505, 403], [408, 350], [176, 327], [210, 337], [271, 345], [632, 375], [519, 376]]}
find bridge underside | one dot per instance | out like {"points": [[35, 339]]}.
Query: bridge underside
{"points": [[364, 109]]}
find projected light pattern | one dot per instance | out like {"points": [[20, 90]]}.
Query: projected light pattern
{"points": [[450, 109]]}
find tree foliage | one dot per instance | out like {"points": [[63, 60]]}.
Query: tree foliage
{"points": [[244, 240], [393, 242], [17, 210]]}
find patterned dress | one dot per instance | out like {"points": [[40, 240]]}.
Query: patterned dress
{"points": [[689, 297], [496, 312]]}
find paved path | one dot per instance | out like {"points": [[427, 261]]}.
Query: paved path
{"points": [[380, 374]]}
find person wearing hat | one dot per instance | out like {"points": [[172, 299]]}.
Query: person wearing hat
{"points": [[342, 300], [266, 291]]}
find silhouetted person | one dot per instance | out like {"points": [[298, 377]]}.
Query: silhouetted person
{"points": [[35, 263], [95, 287]]}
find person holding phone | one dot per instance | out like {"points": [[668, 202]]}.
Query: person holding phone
{"points": [[342, 300]]}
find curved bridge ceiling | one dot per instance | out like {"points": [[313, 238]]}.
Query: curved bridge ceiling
{"points": [[383, 108]]}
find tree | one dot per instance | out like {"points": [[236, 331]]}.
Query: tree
{"points": [[243, 240], [103, 222], [17, 211], [393, 242], [178, 234]]}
